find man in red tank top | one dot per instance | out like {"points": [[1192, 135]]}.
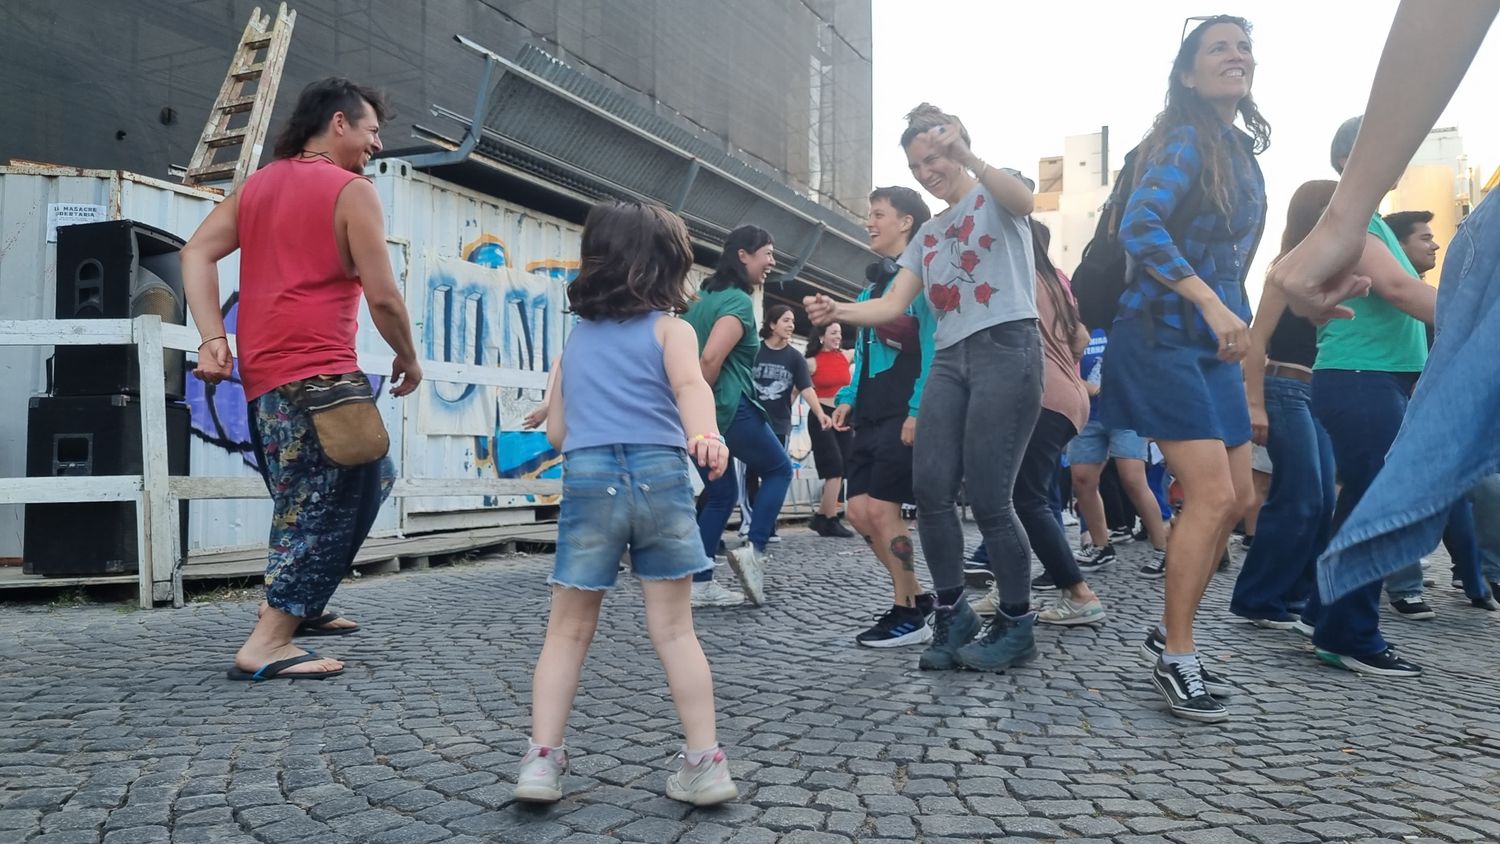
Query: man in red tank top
{"points": [[311, 236]]}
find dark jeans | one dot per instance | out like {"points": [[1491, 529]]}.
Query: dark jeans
{"points": [[1033, 498], [1361, 411], [979, 406], [1296, 520], [752, 442]]}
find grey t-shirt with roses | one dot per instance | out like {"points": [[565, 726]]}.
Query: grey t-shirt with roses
{"points": [[976, 265]]}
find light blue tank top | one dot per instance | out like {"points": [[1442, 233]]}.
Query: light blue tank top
{"points": [[615, 388]]}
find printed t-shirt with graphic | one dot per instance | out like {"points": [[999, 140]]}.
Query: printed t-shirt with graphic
{"points": [[976, 266], [734, 376], [1380, 338], [1091, 366], [780, 376]]}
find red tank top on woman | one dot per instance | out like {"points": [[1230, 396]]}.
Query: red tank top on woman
{"points": [[298, 311], [832, 374]]}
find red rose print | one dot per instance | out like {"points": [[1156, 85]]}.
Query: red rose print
{"points": [[930, 241], [978, 202], [950, 232], [969, 260], [944, 297], [982, 294], [985, 241], [966, 229], [927, 259]]}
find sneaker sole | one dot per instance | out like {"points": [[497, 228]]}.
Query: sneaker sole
{"points": [[1153, 574], [755, 593], [1416, 616], [941, 661], [1267, 623], [1212, 716], [722, 793], [916, 637], [537, 794], [1074, 621], [1050, 587], [1339, 661]]}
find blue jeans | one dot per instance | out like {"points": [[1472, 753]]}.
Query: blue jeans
{"points": [[1446, 446], [1296, 518], [752, 442], [1362, 411], [1486, 499]]}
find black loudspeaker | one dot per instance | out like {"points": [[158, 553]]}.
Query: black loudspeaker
{"points": [[116, 270], [91, 435]]}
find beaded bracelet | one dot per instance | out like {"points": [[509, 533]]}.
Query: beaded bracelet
{"points": [[714, 437]]}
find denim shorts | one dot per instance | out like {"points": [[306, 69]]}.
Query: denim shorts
{"points": [[618, 498], [1094, 445]]}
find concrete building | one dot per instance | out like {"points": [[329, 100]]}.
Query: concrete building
{"points": [[1071, 190], [1439, 179]]}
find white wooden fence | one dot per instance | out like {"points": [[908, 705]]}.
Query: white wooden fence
{"points": [[155, 493]]}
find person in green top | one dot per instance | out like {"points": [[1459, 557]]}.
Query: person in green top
{"points": [[1362, 380], [724, 319]]}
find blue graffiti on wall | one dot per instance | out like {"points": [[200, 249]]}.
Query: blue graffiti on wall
{"points": [[476, 322]]}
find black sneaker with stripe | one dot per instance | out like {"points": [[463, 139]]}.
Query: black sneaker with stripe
{"points": [[1097, 559], [1182, 687], [1156, 645], [899, 626]]}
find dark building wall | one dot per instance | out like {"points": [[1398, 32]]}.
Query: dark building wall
{"points": [[784, 84]]}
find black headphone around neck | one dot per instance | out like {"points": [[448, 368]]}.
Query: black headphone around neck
{"points": [[882, 270]]}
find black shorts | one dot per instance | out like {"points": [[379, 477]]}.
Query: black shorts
{"points": [[880, 465], [830, 448]]}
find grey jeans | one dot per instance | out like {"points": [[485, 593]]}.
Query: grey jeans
{"points": [[980, 404]]}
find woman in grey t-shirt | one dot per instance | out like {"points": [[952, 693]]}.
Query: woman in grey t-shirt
{"points": [[984, 391]]}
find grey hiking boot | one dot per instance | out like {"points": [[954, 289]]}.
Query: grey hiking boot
{"points": [[953, 627], [1007, 642]]}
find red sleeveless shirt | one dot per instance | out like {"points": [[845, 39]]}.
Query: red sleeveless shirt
{"points": [[298, 311]]}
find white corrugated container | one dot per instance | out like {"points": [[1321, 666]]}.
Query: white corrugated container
{"points": [[484, 281]]}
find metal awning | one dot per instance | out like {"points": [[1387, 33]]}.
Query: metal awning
{"points": [[547, 122]]}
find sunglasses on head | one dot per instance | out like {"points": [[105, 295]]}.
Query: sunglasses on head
{"points": [[1192, 23]]}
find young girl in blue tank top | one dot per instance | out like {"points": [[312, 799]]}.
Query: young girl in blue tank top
{"points": [[630, 410]]}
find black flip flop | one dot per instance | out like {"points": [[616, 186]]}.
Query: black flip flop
{"points": [[314, 626], [272, 670]]}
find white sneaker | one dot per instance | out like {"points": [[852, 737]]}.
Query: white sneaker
{"points": [[540, 777], [1065, 611], [1069, 520], [988, 604], [750, 567], [707, 784], [710, 594]]}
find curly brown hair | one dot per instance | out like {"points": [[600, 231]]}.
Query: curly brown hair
{"points": [[634, 260]]}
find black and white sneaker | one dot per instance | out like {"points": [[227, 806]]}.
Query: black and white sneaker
{"points": [[1157, 565], [1414, 609], [1122, 535], [1156, 645], [1098, 558], [1383, 664], [1183, 688], [1043, 582], [899, 626]]}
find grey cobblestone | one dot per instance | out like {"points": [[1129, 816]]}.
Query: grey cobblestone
{"points": [[418, 742]]}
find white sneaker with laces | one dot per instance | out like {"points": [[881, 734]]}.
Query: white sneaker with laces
{"points": [[710, 594], [706, 784], [1067, 612], [750, 567], [540, 777], [988, 604]]}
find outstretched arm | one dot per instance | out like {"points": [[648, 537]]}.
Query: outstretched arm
{"points": [[822, 310], [1413, 85]]}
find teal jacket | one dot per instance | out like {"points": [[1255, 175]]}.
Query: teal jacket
{"points": [[883, 357]]}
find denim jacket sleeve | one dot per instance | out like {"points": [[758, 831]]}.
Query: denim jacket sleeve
{"points": [[1166, 181]]}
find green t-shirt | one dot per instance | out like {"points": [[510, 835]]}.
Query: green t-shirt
{"points": [[735, 376], [1380, 338]]}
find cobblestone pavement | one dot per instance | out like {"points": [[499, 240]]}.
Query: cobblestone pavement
{"points": [[120, 727]]}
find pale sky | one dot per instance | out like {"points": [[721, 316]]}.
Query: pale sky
{"points": [[1024, 75]]}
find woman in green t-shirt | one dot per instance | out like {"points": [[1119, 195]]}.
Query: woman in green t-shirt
{"points": [[724, 318]]}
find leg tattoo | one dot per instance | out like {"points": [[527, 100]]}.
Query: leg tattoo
{"points": [[901, 546]]}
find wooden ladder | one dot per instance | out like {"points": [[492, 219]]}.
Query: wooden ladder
{"points": [[249, 89]]}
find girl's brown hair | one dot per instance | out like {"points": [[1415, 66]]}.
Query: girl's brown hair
{"points": [[1304, 210], [635, 260]]}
